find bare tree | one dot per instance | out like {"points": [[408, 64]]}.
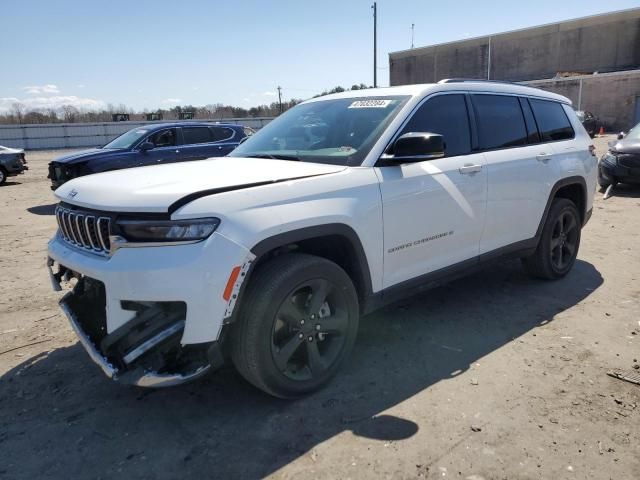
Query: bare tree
{"points": [[18, 110], [69, 113]]}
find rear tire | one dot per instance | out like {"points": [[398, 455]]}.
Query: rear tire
{"points": [[297, 323], [558, 246], [3, 175]]}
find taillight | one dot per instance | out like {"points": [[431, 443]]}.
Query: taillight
{"points": [[592, 150]]}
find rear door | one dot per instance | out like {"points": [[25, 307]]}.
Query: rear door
{"points": [[517, 166], [200, 142], [226, 139]]}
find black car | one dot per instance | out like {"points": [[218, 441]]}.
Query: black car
{"points": [[621, 164], [588, 121], [151, 145]]}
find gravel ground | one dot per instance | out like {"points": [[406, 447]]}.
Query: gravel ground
{"points": [[495, 376]]}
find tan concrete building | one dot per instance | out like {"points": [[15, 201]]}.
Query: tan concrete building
{"points": [[595, 61]]}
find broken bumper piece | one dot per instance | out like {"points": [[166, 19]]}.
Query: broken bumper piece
{"points": [[146, 351]]}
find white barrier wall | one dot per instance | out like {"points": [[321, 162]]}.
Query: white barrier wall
{"points": [[79, 135]]}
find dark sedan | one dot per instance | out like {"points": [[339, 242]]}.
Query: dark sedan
{"points": [[151, 145], [621, 164], [588, 121]]}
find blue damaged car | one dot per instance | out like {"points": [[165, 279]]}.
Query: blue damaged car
{"points": [[151, 145]]}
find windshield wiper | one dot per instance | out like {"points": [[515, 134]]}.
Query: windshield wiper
{"points": [[275, 156]]}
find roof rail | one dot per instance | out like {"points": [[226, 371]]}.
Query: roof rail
{"points": [[462, 80]]}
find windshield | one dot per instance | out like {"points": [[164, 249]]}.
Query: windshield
{"points": [[127, 140], [634, 133], [338, 131]]}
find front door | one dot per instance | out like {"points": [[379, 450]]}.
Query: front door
{"points": [[165, 148], [434, 210]]}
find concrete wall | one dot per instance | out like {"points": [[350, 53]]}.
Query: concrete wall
{"points": [[78, 135], [611, 97], [602, 43]]}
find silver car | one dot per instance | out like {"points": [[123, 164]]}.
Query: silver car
{"points": [[12, 162]]}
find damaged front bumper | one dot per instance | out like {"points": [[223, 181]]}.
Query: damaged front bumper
{"points": [[153, 316], [145, 352]]}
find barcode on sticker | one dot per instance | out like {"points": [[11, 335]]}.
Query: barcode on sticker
{"points": [[370, 104]]}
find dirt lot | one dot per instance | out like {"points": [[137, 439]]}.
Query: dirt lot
{"points": [[495, 376]]}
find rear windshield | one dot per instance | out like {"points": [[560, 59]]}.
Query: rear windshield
{"points": [[338, 131], [634, 133]]}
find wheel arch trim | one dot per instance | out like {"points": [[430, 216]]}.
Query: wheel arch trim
{"points": [[317, 231], [564, 182]]}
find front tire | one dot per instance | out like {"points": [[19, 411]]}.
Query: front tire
{"points": [[3, 175], [296, 325], [558, 246]]}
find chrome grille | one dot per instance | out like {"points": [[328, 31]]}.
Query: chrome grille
{"points": [[85, 230]]}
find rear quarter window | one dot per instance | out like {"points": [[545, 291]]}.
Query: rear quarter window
{"points": [[552, 120], [220, 134]]}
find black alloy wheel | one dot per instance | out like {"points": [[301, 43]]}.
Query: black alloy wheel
{"points": [[309, 330], [564, 240], [297, 323], [558, 243]]}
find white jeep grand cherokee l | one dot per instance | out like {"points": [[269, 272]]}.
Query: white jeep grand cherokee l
{"points": [[341, 205]]}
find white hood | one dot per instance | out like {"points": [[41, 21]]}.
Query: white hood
{"points": [[156, 188], [10, 150]]}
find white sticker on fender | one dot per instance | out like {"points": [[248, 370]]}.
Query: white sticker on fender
{"points": [[370, 104]]}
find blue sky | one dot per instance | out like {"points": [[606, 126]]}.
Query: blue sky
{"points": [[148, 54]]}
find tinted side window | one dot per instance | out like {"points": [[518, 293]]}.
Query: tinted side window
{"points": [[532, 128], [164, 138], [447, 116], [553, 123], [196, 135], [500, 121], [221, 133]]}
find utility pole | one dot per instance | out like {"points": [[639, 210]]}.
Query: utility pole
{"points": [[280, 98], [489, 61], [413, 26], [375, 44]]}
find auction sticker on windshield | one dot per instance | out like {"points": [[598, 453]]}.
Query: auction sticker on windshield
{"points": [[370, 104]]}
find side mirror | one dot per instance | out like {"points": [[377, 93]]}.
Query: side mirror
{"points": [[620, 135], [145, 146], [416, 147]]}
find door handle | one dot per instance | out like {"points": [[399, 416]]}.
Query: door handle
{"points": [[469, 169], [543, 157], [177, 151]]}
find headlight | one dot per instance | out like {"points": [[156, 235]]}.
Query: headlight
{"points": [[168, 230]]}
